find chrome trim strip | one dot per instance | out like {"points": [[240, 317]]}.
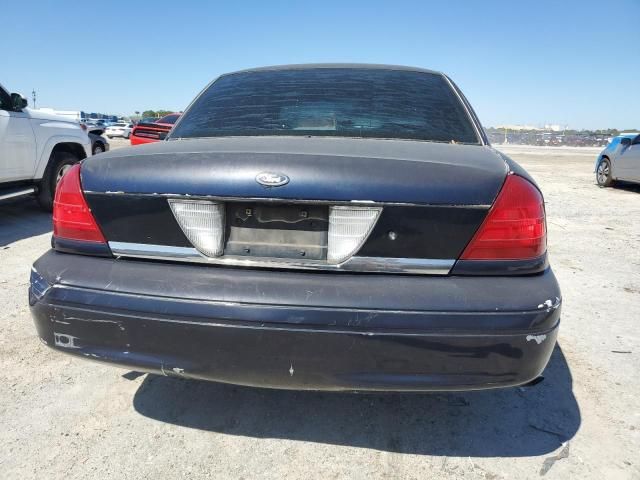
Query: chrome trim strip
{"points": [[127, 249], [429, 266], [354, 203], [17, 193], [433, 266]]}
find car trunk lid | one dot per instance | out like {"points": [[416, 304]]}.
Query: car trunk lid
{"points": [[329, 169]]}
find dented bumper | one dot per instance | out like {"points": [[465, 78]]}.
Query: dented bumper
{"points": [[298, 330]]}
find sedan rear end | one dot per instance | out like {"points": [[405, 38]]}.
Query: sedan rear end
{"points": [[150, 132], [119, 130], [310, 227]]}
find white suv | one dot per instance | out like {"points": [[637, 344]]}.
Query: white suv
{"points": [[36, 149]]}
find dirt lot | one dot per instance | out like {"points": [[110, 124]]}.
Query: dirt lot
{"points": [[63, 417]]}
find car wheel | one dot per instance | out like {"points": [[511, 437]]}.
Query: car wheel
{"points": [[98, 148], [109, 137], [59, 163], [603, 173]]}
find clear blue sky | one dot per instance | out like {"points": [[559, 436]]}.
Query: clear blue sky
{"points": [[567, 62]]}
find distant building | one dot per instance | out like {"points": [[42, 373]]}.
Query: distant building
{"points": [[517, 128], [79, 115], [548, 127]]}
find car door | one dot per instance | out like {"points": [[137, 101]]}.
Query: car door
{"points": [[634, 160], [17, 142], [628, 162]]}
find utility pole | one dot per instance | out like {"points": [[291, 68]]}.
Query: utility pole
{"points": [[33, 96]]}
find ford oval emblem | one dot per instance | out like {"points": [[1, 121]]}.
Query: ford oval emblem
{"points": [[270, 179]]}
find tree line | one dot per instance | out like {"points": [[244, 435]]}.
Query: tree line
{"points": [[154, 113]]}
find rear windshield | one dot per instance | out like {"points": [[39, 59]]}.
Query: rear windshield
{"points": [[171, 119], [342, 102]]}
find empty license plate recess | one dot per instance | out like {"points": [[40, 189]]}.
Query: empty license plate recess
{"points": [[278, 231]]}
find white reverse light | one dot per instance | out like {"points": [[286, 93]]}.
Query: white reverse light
{"points": [[203, 224], [349, 227]]}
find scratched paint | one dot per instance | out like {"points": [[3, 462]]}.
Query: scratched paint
{"points": [[537, 338], [66, 341]]}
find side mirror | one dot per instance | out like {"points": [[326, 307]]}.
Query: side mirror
{"points": [[18, 102], [625, 141], [162, 135]]}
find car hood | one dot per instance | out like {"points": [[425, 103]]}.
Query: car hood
{"points": [[333, 169], [39, 115]]}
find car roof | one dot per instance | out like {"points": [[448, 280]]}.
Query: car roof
{"points": [[355, 66]]}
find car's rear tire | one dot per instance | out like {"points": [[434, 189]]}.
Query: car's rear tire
{"points": [[98, 148], [59, 163], [603, 173]]}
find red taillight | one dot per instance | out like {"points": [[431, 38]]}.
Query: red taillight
{"points": [[514, 228], [72, 217]]}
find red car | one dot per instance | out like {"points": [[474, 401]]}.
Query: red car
{"points": [[150, 132]]}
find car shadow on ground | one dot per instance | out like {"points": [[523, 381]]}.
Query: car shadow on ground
{"points": [[627, 186], [511, 422], [22, 218]]}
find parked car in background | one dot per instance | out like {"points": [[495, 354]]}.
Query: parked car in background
{"points": [[36, 149], [99, 144], [91, 126], [324, 227], [154, 131], [620, 160], [148, 120], [121, 129]]}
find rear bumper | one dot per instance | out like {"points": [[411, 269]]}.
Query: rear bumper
{"points": [[135, 140], [297, 330]]}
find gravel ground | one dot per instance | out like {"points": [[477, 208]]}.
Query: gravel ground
{"points": [[63, 417]]}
